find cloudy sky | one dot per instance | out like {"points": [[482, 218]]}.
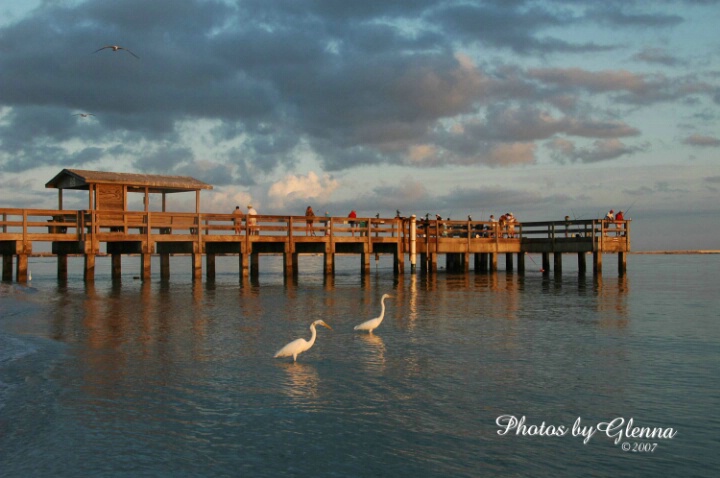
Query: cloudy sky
{"points": [[455, 107]]}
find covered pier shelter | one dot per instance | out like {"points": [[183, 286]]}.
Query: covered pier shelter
{"points": [[109, 218]]}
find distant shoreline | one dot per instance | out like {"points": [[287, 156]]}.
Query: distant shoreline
{"points": [[677, 252]]}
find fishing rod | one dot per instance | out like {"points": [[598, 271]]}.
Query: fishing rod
{"points": [[576, 218], [541, 269], [628, 209]]}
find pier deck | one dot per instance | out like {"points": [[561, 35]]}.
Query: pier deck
{"points": [[63, 233]]}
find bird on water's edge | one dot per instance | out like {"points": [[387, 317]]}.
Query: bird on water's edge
{"points": [[298, 346], [372, 324]]}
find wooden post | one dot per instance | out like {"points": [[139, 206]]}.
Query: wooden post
{"points": [[451, 262], [210, 265], [7, 274], [399, 260], [622, 263], [483, 262], [557, 262], [145, 267], [521, 262], [254, 264], [164, 266], [597, 263], [493, 261], [21, 268], [365, 259], [432, 262], [290, 263], [328, 260], [546, 262], [89, 272], [196, 266], [244, 264], [508, 261], [413, 241], [116, 267], [62, 264], [582, 267]]}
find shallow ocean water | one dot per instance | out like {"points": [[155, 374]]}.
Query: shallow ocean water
{"points": [[176, 378]]}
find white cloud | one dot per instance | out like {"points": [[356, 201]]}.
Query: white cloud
{"points": [[292, 188]]}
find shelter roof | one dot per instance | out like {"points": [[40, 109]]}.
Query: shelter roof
{"points": [[82, 179]]}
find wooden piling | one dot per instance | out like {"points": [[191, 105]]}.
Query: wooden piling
{"points": [[557, 263], [62, 267], [597, 263], [89, 270], [546, 262], [164, 266], [116, 266], [210, 266], [622, 263], [509, 262], [254, 264], [244, 264], [521, 262], [7, 274], [196, 266], [582, 266], [21, 268], [145, 266]]}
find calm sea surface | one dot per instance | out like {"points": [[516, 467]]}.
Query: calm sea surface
{"points": [[177, 379]]}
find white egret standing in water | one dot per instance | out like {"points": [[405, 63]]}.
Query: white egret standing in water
{"points": [[372, 324], [298, 346]]}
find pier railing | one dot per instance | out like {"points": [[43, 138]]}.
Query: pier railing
{"points": [[50, 225], [69, 225]]}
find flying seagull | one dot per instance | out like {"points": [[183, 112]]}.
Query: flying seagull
{"points": [[116, 48], [84, 115]]}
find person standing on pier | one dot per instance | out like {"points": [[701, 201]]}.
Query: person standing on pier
{"points": [[609, 218], [310, 214], [619, 223], [237, 220], [567, 225], [251, 221], [352, 216], [327, 223], [502, 224], [492, 227], [511, 224]]}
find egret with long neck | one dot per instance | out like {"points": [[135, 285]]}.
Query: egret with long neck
{"points": [[372, 324], [298, 346]]}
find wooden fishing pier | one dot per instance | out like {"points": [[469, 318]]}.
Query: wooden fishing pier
{"points": [[107, 227]]}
